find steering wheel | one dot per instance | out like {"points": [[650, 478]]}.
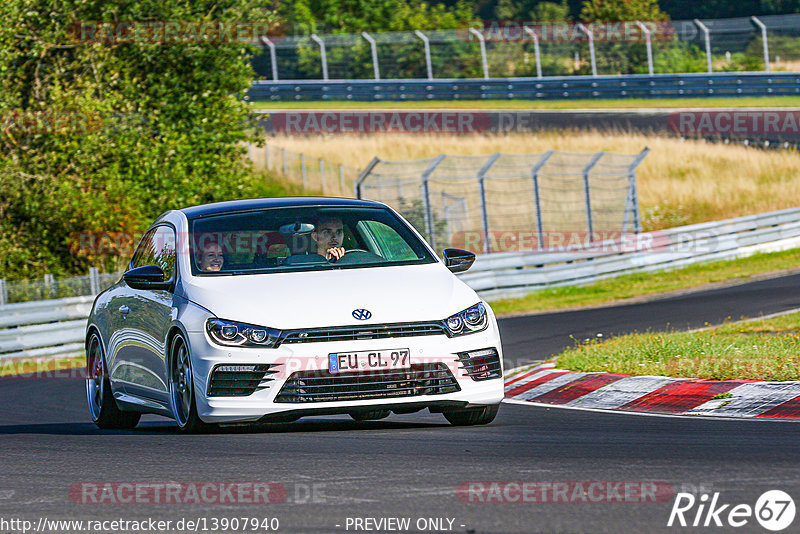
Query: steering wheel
{"points": [[355, 250]]}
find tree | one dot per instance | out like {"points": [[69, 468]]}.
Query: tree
{"points": [[146, 126], [622, 10]]}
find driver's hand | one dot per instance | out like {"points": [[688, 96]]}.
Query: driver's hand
{"points": [[334, 253]]}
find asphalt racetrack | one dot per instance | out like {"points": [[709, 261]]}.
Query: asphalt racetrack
{"points": [[335, 471]]}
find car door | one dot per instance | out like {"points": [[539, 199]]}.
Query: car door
{"points": [[147, 317]]}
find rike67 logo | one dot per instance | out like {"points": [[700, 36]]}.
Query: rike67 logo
{"points": [[774, 510]]}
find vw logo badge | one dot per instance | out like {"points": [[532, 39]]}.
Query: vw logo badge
{"points": [[362, 314]]}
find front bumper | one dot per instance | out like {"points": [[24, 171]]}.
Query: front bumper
{"points": [[290, 358]]}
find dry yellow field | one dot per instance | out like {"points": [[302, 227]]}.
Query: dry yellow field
{"points": [[680, 182]]}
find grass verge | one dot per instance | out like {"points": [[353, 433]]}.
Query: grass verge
{"points": [[41, 367], [765, 349], [639, 285], [628, 103]]}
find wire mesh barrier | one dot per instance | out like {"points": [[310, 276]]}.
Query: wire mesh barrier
{"points": [[314, 174], [50, 287], [508, 202], [535, 49]]}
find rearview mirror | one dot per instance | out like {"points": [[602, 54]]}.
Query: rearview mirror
{"points": [[458, 260], [147, 277]]}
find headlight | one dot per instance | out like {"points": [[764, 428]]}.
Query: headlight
{"points": [[232, 334], [473, 319]]}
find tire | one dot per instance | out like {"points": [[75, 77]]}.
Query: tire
{"points": [[370, 415], [482, 415], [181, 389], [103, 408]]}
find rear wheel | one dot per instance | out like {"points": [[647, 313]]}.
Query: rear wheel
{"points": [[181, 389], [370, 415], [102, 407], [482, 415]]}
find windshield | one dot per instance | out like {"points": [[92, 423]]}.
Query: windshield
{"points": [[302, 239]]}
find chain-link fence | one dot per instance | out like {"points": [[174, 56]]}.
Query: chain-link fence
{"points": [[314, 174], [528, 49], [506, 202], [50, 287]]}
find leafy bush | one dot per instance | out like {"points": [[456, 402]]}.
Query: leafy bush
{"points": [[166, 126]]}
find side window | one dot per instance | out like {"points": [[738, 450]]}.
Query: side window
{"points": [[144, 252], [392, 246], [164, 250], [157, 248]]}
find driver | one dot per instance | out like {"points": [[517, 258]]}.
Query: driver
{"points": [[328, 235], [211, 257]]}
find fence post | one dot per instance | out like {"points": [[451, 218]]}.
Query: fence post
{"points": [[49, 285], [707, 35], [587, 193], [3, 292], [536, 199], [649, 44], [633, 194], [763, 29], [363, 176], [487, 248], [283, 157], [94, 281], [317, 39], [592, 56], [427, 52], [322, 175], [426, 199], [303, 171], [272, 58], [484, 62], [374, 48], [341, 179], [536, 51]]}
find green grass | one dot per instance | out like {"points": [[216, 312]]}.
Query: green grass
{"points": [[40, 366], [766, 349], [718, 102], [639, 285]]}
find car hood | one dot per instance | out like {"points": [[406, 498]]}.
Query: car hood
{"points": [[328, 298]]}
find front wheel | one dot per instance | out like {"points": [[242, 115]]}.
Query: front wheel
{"points": [[482, 415], [102, 407], [181, 389]]}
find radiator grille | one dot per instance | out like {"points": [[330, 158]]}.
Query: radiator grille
{"points": [[239, 380], [322, 386], [350, 333]]}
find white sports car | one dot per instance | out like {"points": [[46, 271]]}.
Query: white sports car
{"points": [[273, 309]]}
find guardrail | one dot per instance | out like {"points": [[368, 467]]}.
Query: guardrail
{"points": [[513, 273], [56, 328], [44, 328], [548, 88]]}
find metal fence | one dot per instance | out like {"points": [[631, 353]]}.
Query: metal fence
{"points": [[510, 50], [50, 287], [491, 203], [314, 174]]}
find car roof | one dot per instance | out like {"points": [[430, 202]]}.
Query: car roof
{"points": [[278, 202]]}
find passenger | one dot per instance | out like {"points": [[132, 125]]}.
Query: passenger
{"points": [[328, 235], [211, 257]]}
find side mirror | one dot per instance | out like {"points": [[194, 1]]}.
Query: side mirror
{"points": [[458, 260], [146, 277]]}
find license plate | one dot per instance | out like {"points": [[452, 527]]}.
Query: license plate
{"points": [[369, 360]]}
